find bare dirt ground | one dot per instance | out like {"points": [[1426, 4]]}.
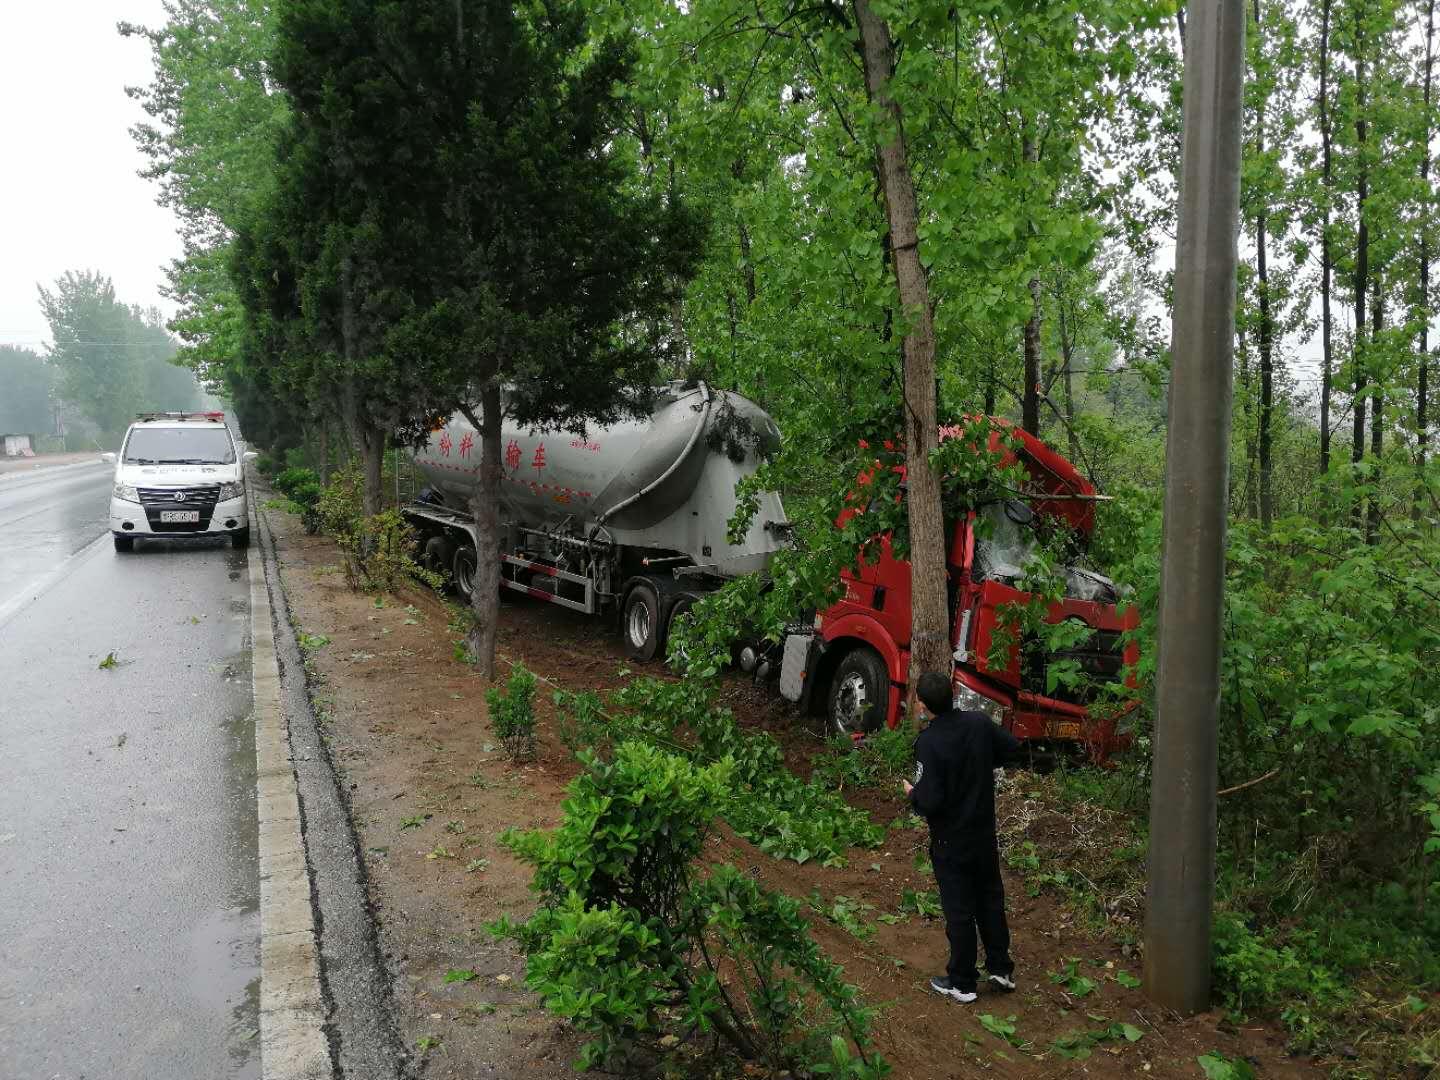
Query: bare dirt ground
{"points": [[430, 792]]}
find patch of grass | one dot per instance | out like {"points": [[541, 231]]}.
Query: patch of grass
{"points": [[846, 913], [415, 821], [925, 903], [1069, 977], [310, 643]]}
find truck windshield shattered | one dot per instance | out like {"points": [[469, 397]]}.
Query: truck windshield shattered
{"points": [[1007, 542]]}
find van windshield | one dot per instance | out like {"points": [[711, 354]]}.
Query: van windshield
{"points": [[179, 446]]}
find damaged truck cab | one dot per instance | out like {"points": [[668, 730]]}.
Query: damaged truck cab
{"points": [[854, 663]]}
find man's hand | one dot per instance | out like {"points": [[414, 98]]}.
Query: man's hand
{"points": [[909, 787]]}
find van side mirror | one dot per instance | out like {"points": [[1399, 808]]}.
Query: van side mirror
{"points": [[108, 457], [249, 455]]}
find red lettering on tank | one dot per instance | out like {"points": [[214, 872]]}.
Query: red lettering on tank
{"points": [[512, 455], [537, 462], [466, 444], [445, 443]]}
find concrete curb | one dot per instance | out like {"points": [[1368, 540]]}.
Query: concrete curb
{"points": [[292, 1011]]}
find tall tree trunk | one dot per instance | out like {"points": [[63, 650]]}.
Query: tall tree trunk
{"points": [[929, 635], [325, 453], [1422, 388], [1362, 265], [372, 459], [485, 510], [1377, 409], [1327, 360], [1067, 356], [1030, 404], [1250, 490], [369, 443], [1267, 329]]}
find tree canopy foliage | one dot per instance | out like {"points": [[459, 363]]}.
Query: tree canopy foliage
{"points": [[111, 359], [26, 406], [395, 209]]}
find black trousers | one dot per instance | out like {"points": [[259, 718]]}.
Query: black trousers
{"points": [[972, 896]]}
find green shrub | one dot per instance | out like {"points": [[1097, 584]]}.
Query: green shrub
{"points": [[881, 760], [289, 481], [1251, 973], [629, 942], [267, 464], [769, 805], [512, 713], [378, 551]]}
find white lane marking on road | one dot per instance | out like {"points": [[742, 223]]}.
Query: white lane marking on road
{"points": [[11, 481], [292, 1043], [37, 588]]}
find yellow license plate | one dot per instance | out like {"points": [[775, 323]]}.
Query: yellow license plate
{"points": [[1064, 729]]}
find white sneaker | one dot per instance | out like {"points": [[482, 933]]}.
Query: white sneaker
{"points": [[941, 985], [1002, 982]]}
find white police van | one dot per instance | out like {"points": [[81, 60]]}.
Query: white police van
{"points": [[179, 474]]}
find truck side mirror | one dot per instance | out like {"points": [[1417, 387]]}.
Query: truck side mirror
{"points": [[1018, 512], [108, 457]]}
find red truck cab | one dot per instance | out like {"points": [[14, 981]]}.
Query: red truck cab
{"points": [[859, 655]]}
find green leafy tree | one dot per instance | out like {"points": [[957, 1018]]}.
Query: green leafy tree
{"points": [[492, 241], [111, 359], [26, 406]]}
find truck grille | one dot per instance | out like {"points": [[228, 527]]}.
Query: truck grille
{"points": [[202, 499], [1101, 660]]}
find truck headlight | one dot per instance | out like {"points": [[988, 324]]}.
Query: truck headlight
{"points": [[126, 493], [232, 490], [971, 701]]}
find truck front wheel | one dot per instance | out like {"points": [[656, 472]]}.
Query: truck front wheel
{"points": [[641, 623], [859, 694]]}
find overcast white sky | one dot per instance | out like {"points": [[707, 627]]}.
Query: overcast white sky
{"points": [[70, 198]]}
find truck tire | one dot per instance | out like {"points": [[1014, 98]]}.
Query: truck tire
{"points": [[124, 543], [640, 625], [859, 693], [681, 605], [462, 569], [439, 554]]}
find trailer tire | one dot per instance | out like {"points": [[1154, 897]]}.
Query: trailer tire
{"points": [[640, 626], [438, 554], [679, 606], [462, 570], [859, 693]]}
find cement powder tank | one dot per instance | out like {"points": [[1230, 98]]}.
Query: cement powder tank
{"points": [[630, 517]]}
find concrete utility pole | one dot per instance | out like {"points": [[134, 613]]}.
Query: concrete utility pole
{"points": [[1192, 583]]}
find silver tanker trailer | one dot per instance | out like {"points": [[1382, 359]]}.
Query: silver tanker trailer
{"points": [[630, 518]]}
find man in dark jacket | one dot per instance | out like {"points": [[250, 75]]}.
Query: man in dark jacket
{"points": [[954, 791]]}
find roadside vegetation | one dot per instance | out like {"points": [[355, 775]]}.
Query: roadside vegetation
{"points": [[728, 156]]}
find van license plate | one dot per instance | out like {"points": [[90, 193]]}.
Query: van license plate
{"points": [[178, 516]]}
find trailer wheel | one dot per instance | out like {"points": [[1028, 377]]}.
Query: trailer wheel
{"points": [[462, 569], [641, 622], [681, 606], [439, 554], [859, 693]]}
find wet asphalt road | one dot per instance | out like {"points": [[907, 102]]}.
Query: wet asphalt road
{"points": [[129, 933]]}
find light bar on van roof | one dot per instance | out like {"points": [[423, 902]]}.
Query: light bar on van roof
{"points": [[217, 417]]}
